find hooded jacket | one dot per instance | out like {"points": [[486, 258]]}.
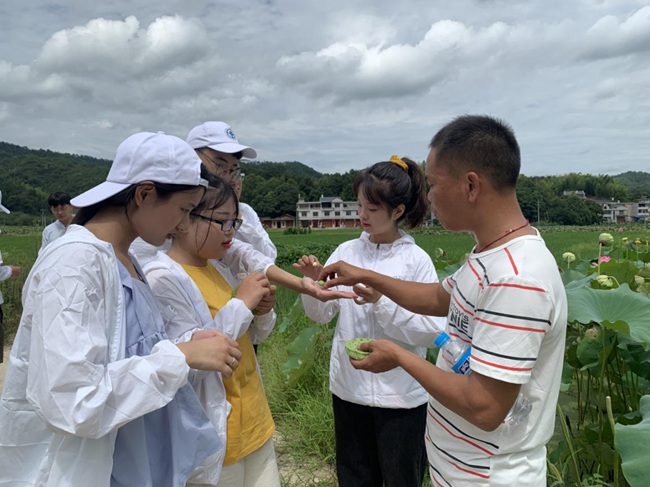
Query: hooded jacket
{"points": [[61, 407], [184, 312], [401, 259]]}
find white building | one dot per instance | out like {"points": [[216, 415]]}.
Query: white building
{"points": [[327, 212]]}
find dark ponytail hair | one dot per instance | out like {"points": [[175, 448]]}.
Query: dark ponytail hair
{"points": [[219, 192], [389, 185]]}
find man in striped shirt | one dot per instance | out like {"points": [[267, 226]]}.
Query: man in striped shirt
{"points": [[507, 302]]}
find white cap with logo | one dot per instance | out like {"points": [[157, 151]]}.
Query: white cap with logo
{"points": [[220, 137], [146, 156]]}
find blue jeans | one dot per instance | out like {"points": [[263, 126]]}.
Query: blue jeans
{"points": [[379, 446]]}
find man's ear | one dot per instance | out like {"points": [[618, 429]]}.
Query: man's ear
{"points": [[474, 186]]}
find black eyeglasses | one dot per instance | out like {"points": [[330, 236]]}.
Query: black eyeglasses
{"points": [[226, 225], [223, 170]]}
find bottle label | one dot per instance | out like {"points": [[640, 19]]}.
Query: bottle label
{"points": [[462, 364]]}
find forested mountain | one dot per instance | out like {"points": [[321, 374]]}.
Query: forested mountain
{"points": [[28, 176], [637, 183]]}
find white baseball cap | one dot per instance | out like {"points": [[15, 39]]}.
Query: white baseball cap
{"points": [[146, 156], [220, 137], [3, 208]]}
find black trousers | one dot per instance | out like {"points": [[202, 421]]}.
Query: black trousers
{"points": [[379, 446]]}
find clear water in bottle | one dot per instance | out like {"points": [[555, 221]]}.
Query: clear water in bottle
{"points": [[519, 411], [456, 354]]}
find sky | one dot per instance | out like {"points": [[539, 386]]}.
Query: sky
{"points": [[336, 85]]}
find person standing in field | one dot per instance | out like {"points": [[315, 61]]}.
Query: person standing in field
{"points": [[6, 272], [218, 147], [193, 280], [62, 210], [507, 302], [379, 420], [95, 392]]}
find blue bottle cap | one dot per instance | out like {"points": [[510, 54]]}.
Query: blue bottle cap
{"points": [[441, 339]]}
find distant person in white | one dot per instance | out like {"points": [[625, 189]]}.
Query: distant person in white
{"points": [[63, 211], [218, 147], [6, 272]]}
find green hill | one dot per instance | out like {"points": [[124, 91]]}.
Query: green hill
{"points": [[29, 176], [637, 182]]}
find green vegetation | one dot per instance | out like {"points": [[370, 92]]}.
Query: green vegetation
{"points": [[29, 176], [604, 409]]}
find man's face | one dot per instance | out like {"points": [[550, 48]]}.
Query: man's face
{"points": [[226, 166], [444, 194], [63, 213]]}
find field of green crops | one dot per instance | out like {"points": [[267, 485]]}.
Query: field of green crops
{"points": [[607, 353]]}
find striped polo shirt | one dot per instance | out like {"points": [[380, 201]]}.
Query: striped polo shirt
{"points": [[509, 304]]}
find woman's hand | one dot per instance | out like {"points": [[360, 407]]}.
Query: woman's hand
{"points": [[365, 294], [309, 266], [253, 288], [212, 350], [267, 303]]}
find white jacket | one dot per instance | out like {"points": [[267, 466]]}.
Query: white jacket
{"points": [[252, 232], [63, 403], [401, 259], [5, 273], [242, 257], [184, 311]]}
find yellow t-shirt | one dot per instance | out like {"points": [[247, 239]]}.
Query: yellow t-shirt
{"points": [[250, 423]]}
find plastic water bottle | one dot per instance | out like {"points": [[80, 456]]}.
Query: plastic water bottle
{"points": [[519, 411], [456, 354]]}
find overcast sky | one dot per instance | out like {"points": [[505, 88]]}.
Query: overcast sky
{"points": [[336, 85]]}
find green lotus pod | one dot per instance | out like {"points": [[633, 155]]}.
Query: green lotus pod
{"points": [[351, 347], [605, 239], [605, 281], [568, 257]]}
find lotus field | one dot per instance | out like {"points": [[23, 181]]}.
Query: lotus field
{"points": [[602, 432]]}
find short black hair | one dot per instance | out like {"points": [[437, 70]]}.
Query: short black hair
{"points": [[58, 198], [482, 144]]}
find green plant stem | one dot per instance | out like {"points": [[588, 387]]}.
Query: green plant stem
{"points": [[569, 442], [612, 425], [601, 384]]}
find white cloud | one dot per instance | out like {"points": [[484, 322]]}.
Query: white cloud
{"points": [[334, 85], [611, 37]]}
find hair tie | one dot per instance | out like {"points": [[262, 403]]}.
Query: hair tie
{"points": [[398, 160]]}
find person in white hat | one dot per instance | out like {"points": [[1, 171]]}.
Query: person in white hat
{"points": [[95, 393], [218, 147], [6, 272]]}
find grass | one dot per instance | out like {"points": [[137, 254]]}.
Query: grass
{"points": [[303, 411]]}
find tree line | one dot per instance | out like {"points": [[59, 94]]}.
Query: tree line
{"points": [[28, 176]]}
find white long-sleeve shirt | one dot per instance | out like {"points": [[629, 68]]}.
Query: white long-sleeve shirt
{"points": [[62, 404], [184, 311], [252, 232], [401, 259]]}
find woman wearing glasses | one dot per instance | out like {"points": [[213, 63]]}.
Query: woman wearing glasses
{"points": [[218, 147], [194, 288]]}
